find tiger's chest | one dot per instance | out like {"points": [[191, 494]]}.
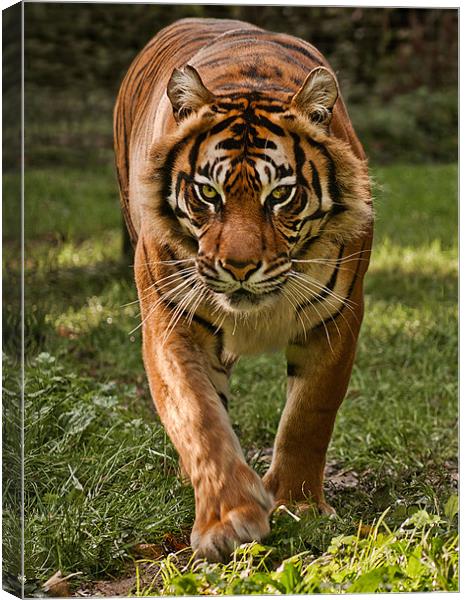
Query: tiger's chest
{"points": [[266, 331]]}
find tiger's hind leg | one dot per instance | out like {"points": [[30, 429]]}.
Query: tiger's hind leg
{"points": [[317, 382]]}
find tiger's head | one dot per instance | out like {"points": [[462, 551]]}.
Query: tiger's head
{"points": [[246, 183]]}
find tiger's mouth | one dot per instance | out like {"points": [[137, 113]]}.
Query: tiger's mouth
{"points": [[243, 296], [243, 300], [239, 289]]}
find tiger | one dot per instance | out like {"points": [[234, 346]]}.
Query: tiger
{"points": [[246, 194]]}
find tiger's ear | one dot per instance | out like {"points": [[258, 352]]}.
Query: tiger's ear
{"points": [[187, 92], [317, 96]]}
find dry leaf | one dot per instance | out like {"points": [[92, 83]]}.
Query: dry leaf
{"points": [[344, 479], [57, 586], [173, 544], [152, 551], [365, 530]]}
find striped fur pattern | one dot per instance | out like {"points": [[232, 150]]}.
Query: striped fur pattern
{"points": [[246, 193]]}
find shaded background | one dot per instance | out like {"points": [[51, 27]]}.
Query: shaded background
{"points": [[397, 70]]}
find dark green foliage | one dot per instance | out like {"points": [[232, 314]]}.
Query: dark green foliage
{"points": [[385, 50], [409, 127], [397, 70]]}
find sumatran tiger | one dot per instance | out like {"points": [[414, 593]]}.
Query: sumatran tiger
{"points": [[246, 195]]}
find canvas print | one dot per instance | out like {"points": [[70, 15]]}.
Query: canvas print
{"points": [[230, 300]]}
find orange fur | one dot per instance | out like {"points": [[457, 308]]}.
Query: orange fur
{"points": [[246, 194]]}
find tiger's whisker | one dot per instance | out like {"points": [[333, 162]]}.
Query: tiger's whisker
{"points": [[154, 291], [163, 298], [332, 305], [182, 273], [302, 296], [294, 306], [321, 298], [324, 325], [183, 281], [180, 309], [201, 298], [329, 314], [323, 288], [342, 259], [165, 262]]}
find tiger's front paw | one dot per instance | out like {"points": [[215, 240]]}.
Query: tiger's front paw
{"points": [[236, 514], [240, 525], [294, 492]]}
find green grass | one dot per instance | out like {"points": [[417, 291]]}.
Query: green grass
{"points": [[421, 555], [101, 475]]}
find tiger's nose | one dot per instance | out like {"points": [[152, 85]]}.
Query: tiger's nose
{"points": [[240, 271]]}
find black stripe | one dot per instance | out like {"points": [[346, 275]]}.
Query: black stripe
{"points": [[299, 155], [244, 97], [259, 142], [300, 50], [271, 277], [334, 189], [233, 105], [182, 176], [194, 151], [318, 214], [306, 246], [168, 166], [276, 129], [198, 320], [167, 250], [229, 144], [302, 198], [291, 238], [181, 214], [349, 294], [215, 331], [207, 325], [261, 156], [316, 182], [291, 370], [293, 226], [276, 265], [222, 125], [352, 283], [270, 108], [223, 399]]}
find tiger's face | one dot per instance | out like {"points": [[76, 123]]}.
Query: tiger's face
{"points": [[251, 189]]}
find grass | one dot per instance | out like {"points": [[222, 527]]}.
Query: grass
{"points": [[416, 557], [101, 475]]}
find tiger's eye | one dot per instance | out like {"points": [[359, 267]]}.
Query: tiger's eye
{"points": [[208, 191], [281, 192]]}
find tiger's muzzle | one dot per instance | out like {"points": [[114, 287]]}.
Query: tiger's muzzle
{"points": [[244, 285]]}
